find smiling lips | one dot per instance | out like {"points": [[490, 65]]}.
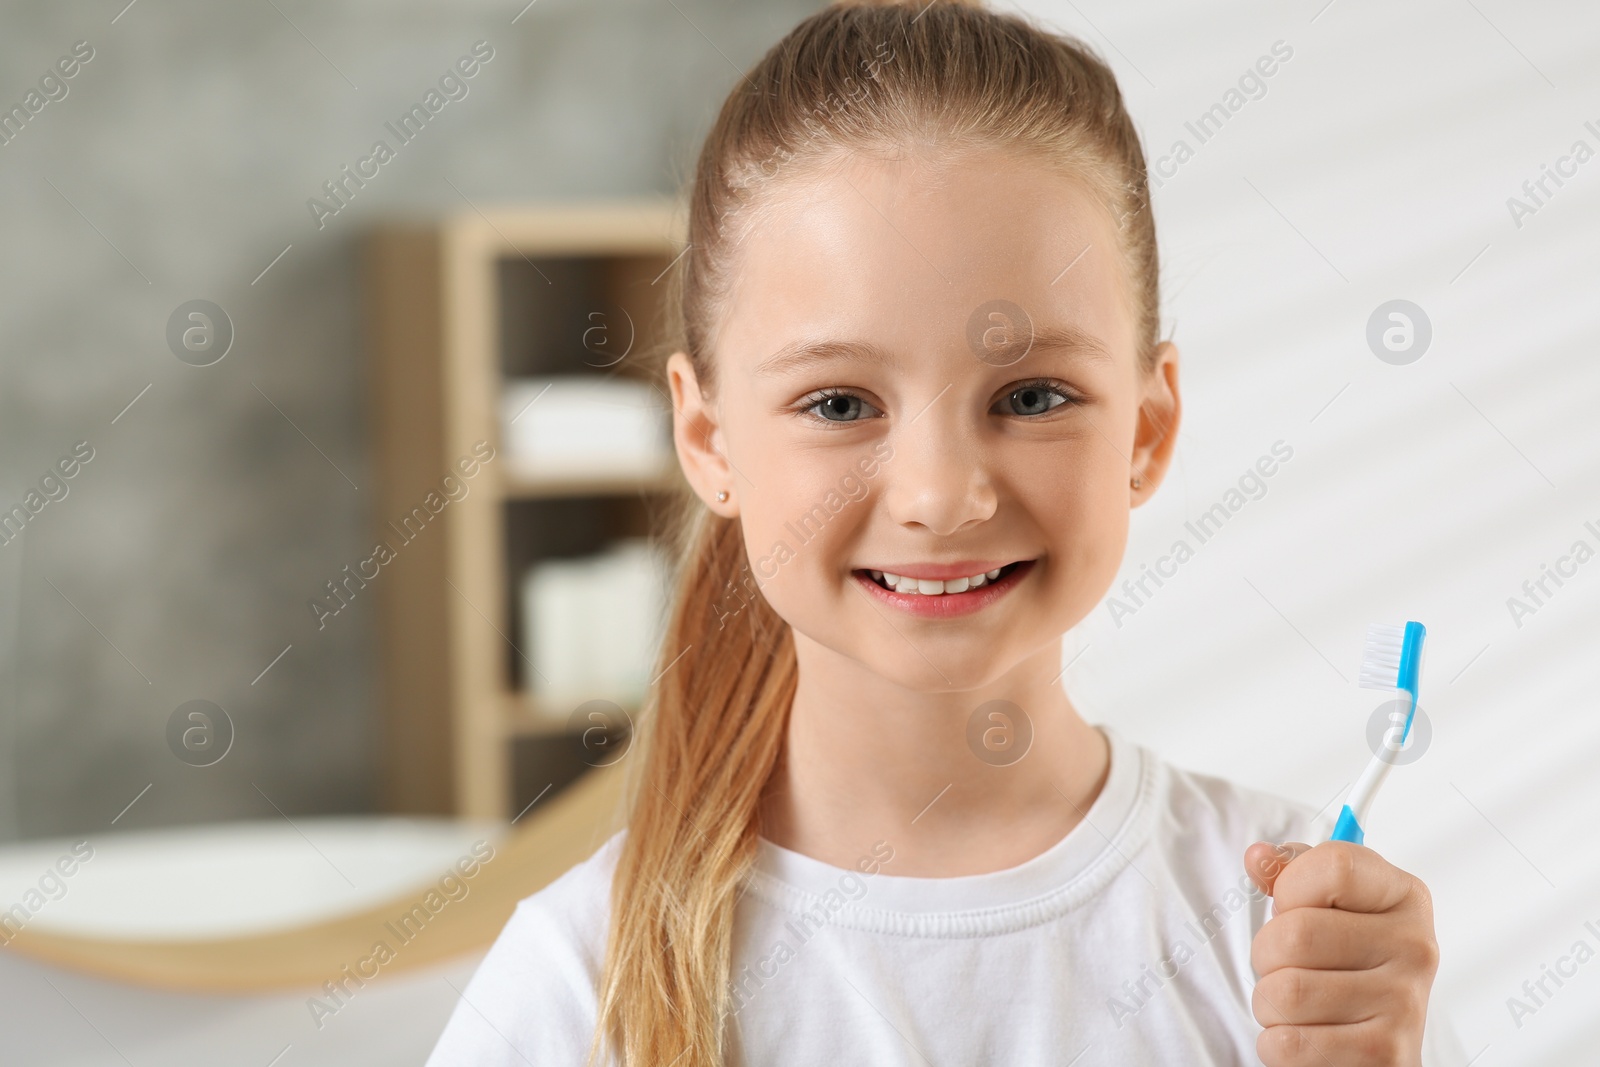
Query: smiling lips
{"points": [[944, 597], [901, 583]]}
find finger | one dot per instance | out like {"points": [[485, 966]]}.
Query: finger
{"points": [[1324, 939], [1264, 861], [1304, 996], [1372, 1041], [1339, 874]]}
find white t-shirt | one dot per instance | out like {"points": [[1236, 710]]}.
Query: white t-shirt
{"points": [[1126, 942]]}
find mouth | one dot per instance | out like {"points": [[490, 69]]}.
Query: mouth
{"points": [[944, 598]]}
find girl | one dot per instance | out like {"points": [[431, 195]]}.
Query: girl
{"points": [[918, 386]]}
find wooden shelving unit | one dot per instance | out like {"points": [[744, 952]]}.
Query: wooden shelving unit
{"points": [[452, 310]]}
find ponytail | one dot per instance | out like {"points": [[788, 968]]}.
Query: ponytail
{"points": [[712, 731]]}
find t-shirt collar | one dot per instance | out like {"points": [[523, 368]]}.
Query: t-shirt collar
{"points": [[1083, 861]]}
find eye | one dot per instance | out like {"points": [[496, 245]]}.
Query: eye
{"points": [[1036, 398], [833, 405]]}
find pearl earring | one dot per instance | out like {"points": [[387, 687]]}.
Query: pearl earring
{"points": [[722, 495], [1136, 481]]}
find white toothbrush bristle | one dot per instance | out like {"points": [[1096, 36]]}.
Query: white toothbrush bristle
{"points": [[1380, 659]]}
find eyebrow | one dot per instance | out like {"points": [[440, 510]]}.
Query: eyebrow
{"points": [[798, 356]]}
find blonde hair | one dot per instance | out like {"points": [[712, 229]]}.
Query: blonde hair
{"points": [[856, 76]]}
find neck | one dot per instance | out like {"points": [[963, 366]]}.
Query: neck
{"points": [[867, 760]]}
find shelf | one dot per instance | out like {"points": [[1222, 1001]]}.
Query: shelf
{"points": [[455, 309], [516, 486], [523, 718]]}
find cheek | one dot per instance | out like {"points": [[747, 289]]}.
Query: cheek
{"points": [[799, 524], [1087, 524], [797, 532], [785, 570]]}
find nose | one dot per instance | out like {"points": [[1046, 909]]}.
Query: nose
{"points": [[940, 477]]}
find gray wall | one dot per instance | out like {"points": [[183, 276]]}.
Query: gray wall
{"points": [[177, 167]]}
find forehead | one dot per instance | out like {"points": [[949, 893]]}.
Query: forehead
{"points": [[906, 252]]}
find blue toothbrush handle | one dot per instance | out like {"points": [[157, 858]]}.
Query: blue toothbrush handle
{"points": [[1347, 828]]}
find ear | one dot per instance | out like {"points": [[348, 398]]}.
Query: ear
{"points": [[698, 438], [1156, 435]]}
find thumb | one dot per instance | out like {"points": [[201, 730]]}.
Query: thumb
{"points": [[1264, 861]]}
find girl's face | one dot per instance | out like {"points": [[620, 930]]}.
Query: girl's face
{"points": [[929, 369]]}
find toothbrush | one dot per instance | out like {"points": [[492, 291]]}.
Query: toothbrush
{"points": [[1392, 659]]}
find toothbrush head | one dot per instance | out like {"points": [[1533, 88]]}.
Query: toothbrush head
{"points": [[1392, 659]]}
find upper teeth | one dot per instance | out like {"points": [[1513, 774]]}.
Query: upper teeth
{"points": [[933, 587]]}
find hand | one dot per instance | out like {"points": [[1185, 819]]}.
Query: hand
{"points": [[1346, 961]]}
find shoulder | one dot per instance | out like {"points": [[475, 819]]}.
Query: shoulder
{"points": [[574, 910], [1200, 825], [1207, 904], [534, 996], [1199, 806]]}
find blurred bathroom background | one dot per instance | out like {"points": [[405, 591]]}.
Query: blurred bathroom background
{"points": [[197, 160]]}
